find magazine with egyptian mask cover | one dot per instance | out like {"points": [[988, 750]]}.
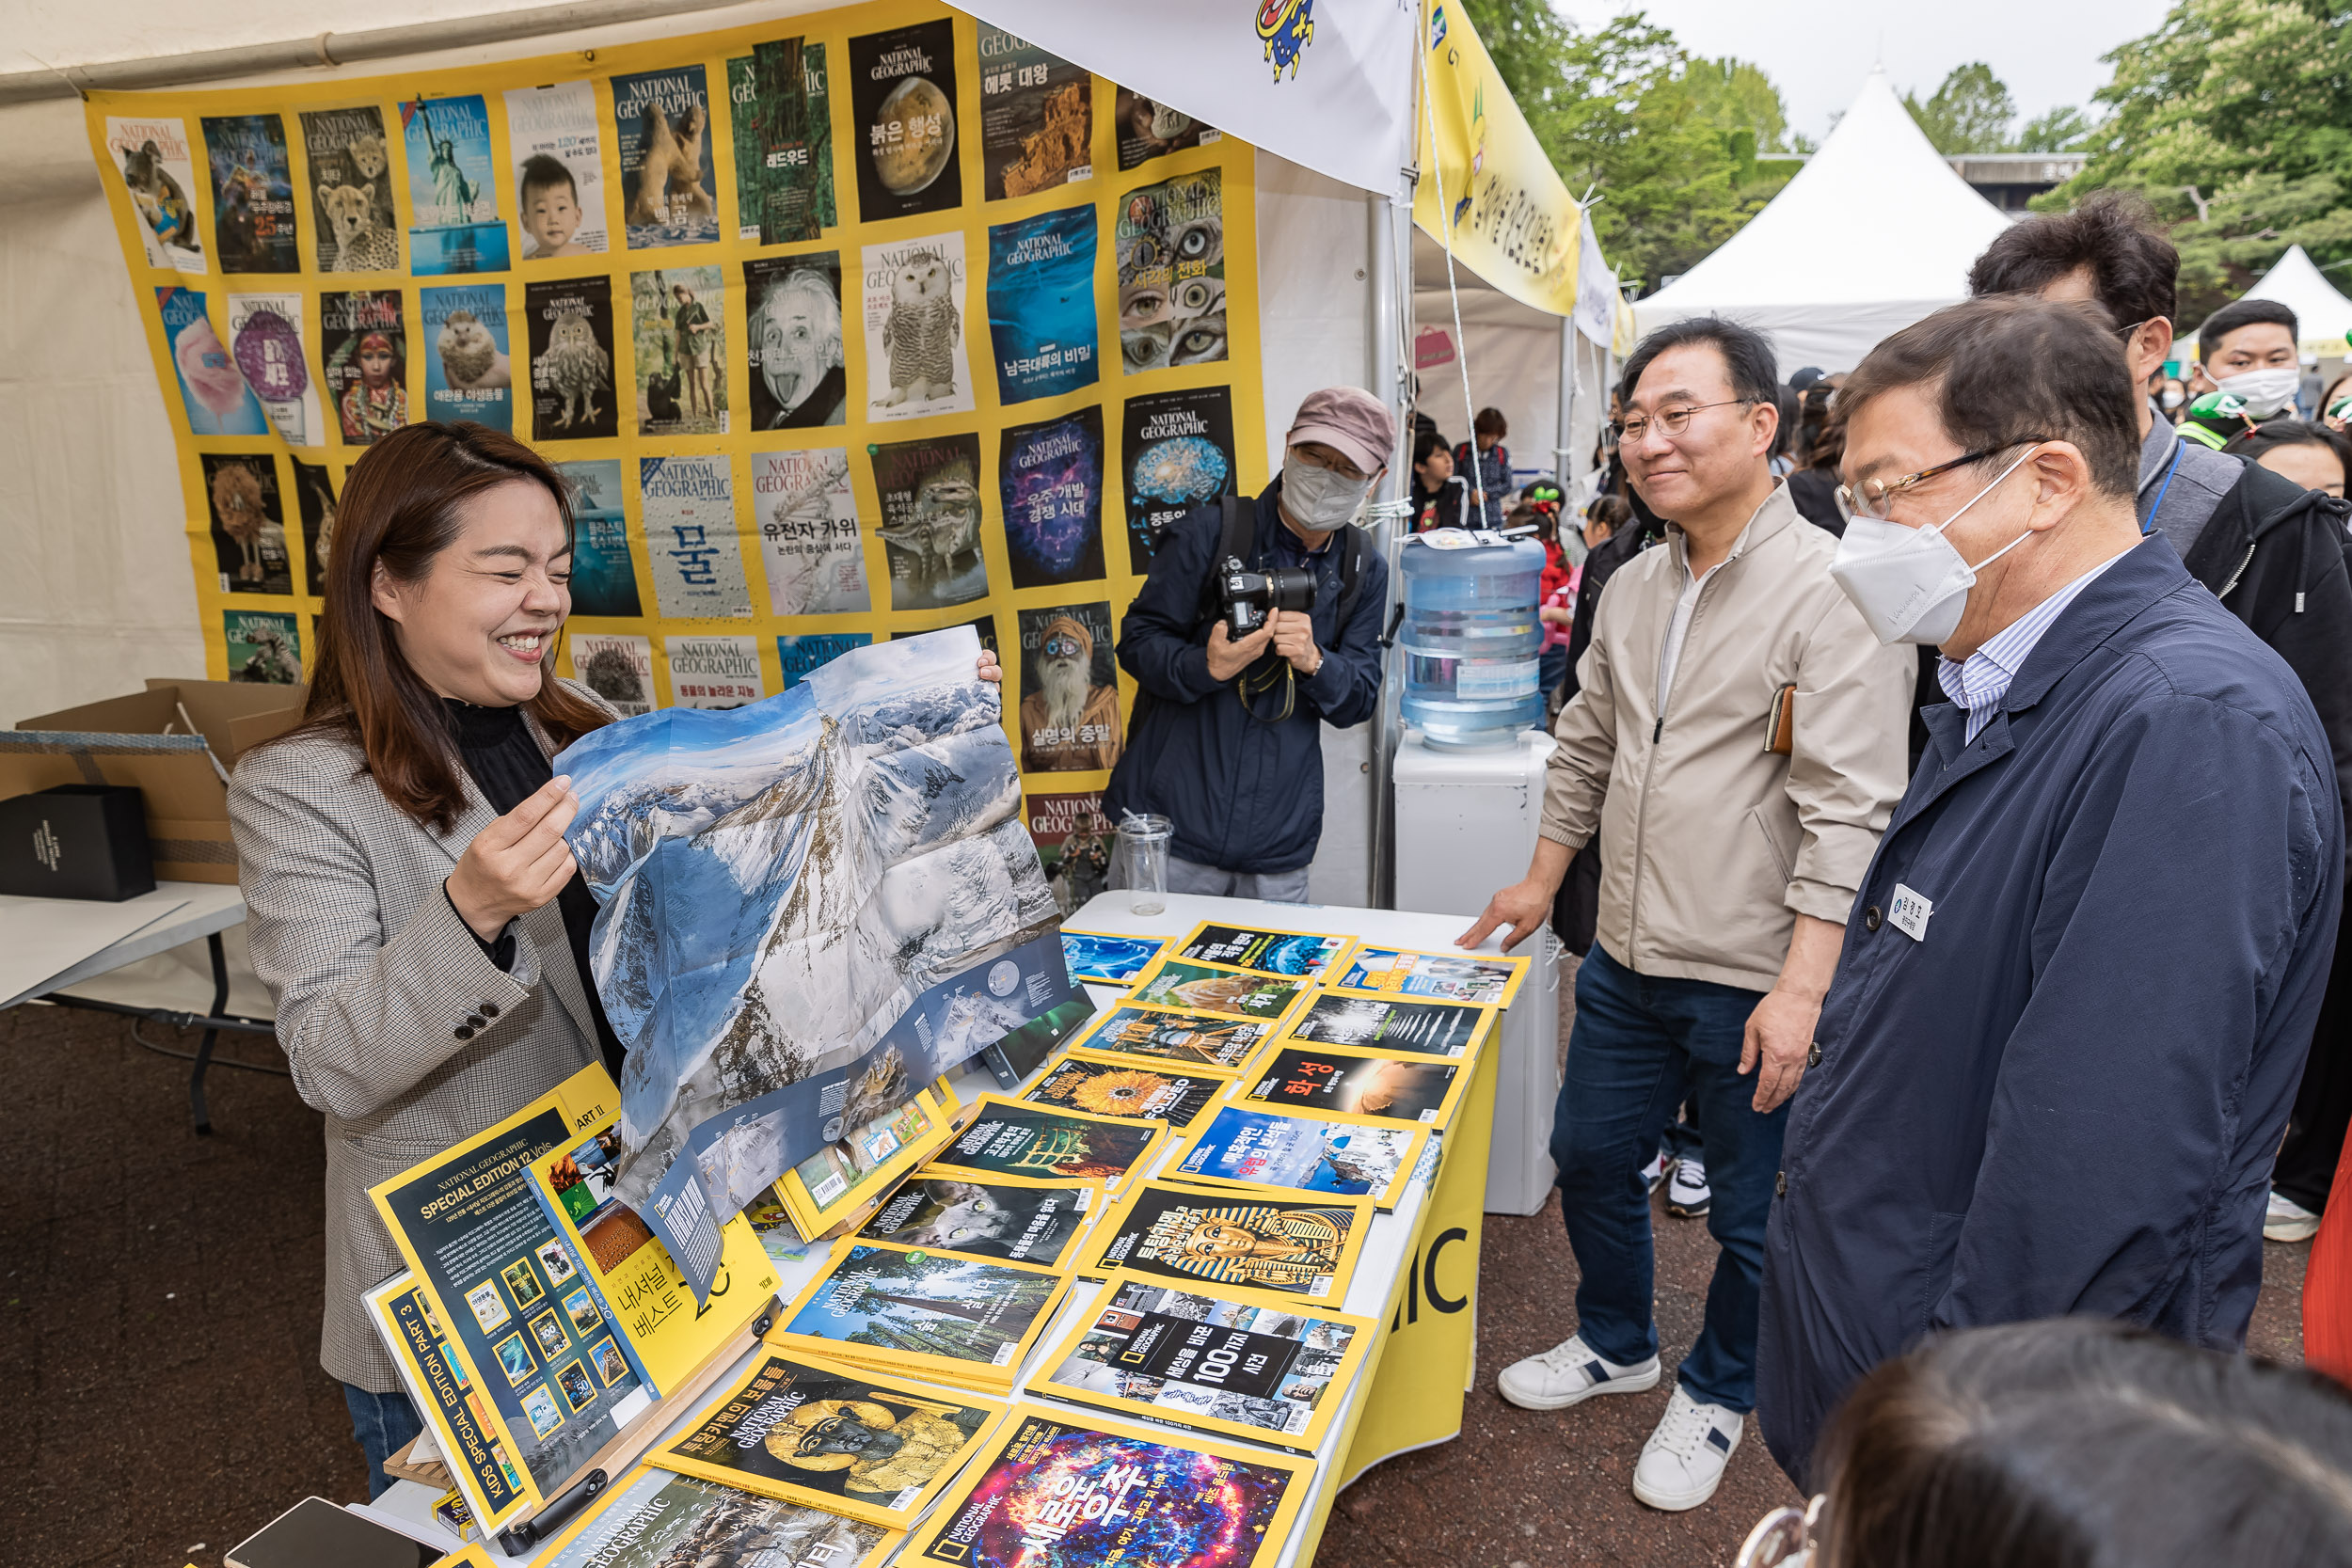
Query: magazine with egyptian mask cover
{"points": [[1204, 1237], [1348, 1082], [657, 1518], [1171, 1034], [934, 1315], [1306, 1153], [1113, 1086], [1011, 1218]]}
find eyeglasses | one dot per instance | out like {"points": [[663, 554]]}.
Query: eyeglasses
{"points": [[1782, 1538], [1875, 498], [1061, 647], [1674, 421]]}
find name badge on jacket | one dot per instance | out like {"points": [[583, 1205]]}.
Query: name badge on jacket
{"points": [[1908, 913]]}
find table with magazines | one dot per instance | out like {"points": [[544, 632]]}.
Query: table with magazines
{"points": [[1284, 1398]]}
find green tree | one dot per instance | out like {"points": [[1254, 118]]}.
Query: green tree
{"points": [[1972, 112], [2064, 129]]}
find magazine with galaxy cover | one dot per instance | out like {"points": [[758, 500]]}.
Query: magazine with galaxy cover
{"points": [[1359, 1158], [1011, 1218], [1200, 987], [1388, 1024], [1123, 1087], [1310, 955], [1349, 1082], [1474, 979], [1202, 1236], [1154, 1351], [1176, 453], [1061, 1489], [1050, 477], [656, 1518], [812, 906], [933, 1315], [1214, 1044], [1009, 1138]]}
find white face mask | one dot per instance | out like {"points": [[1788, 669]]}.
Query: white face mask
{"points": [[1318, 499], [2263, 392], [1909, 583]]}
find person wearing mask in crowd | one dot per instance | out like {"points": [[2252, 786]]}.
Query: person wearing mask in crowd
{"points": [[2072, 1005], [1485, 463], [2246, 350], [1440, 499], [2311, 455], [2075, 1443], [1728, 861], [1226, 740], [2171, 400], [1814, 487]]}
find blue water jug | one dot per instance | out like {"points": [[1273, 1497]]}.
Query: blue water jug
{"points": [[1471, 637]]}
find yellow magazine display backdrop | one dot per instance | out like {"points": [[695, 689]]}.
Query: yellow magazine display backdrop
{"points": [[846, 327]]}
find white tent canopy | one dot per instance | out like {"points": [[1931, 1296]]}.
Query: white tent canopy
{"points": [[1874, 232], [2323, 317]]}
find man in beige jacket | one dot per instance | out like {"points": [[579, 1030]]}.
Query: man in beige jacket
{"points": [[1737, 744]]}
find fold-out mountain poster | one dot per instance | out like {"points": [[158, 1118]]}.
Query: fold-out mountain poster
{"points": [[848, 325], [812, 906]]}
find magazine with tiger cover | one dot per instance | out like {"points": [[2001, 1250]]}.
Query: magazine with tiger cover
{"points": [[1244, 1368], [966, 1320], [1348, 1082], [1387, 1023], [1308, 953], [1479, 980], [1206, 1236], [1309, 1154], [1203, 1041], [1007, 1137], [656, 1518], [831, 1185], [1013, 1218], [836, 1437], [1219, 988], [1055, 1490], [1112, 960], [1110, 1086], [449, 1399]]}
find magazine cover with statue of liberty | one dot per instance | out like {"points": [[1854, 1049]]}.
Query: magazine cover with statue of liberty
{"points": [[813, 905]]}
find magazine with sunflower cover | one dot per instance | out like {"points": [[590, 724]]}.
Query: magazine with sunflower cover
{"points": [[1218, 988], [1356, 1158], [1240, 1367], [1010, 1137], [1478, 979], [1053, 1489], [933, 1315], [1013, 1219], [1107, 957], [833, 1184], [1308, 955], [1123, 1086], [834, 1437], [657, 1518], [1348, 1082], [1217, 1239], [1199, 1040], [1391, 1023]]}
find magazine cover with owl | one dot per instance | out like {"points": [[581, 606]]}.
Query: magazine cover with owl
{"points": [[570, 326], [913, 309], [813, 1432]]}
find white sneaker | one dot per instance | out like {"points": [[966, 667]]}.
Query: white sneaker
{"points": [[1687, 1195], [1655, 1172], [1683, 1462], [2286, 1220], [1570, 1372]]}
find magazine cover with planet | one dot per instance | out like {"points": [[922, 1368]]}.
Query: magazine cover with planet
{"points": [[1113, 960], [933, 1315], [1310, 1154], [1303, 953], [1007, 1137], [1247, 1241], [1055, 1490], [1424, 1028], [1348, 1081], [812, 906], [657, 1518], [1008, 1217], [1272, 1373], [1481, 980], [1108, 1086], [834, 1437], [1175, 982], [1217, 1044]]}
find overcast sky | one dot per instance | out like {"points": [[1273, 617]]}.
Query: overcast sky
{"points": [[1818, 51]]}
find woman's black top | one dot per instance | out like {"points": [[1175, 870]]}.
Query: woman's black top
{"points": [[508, 767]]}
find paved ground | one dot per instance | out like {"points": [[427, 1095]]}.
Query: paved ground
{"points": [[159, 1346]]}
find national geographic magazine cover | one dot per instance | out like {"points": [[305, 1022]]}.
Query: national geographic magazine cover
{"points": [[811, 544], [1229, 993], [1176, 453], [1113, 960], [834, 1437], [1170, 242], [151, 158], [656, 1518], [1009, 1218], [212, 389], [831, 1185], [568, 326], [469, 374], [1171, 1034], [1037, 118], [1006, 1138], [1480, 980], [253, 206], [692, 541], [903, 118], [1348, 1082], [1089, 1491], [716, 673], [1249, 1241], [451, 1400], [1309, 1154], [453, 190], [663, 123], [357, 230], [783, 142], [1050, 479], [913, 304], [265, 336], [1306, 953], [1267, 1373], [965, 1321], [1422, 1028], [1110, 1086], [558, 170]]}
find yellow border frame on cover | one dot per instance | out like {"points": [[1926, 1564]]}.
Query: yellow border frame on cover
{"points": [[1302, 988], [1218, 1082], [1518, 968], [1092, 1205], [979, 1108], [998, 1376], [1254, 1073], [1084, 1039], [1348, 945], [1486, 1031], [891, 1540], [1417, 1139], [1093, 1265]]}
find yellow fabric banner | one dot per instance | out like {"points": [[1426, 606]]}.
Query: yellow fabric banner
{"points": [[1484, 179], [844, 326]]}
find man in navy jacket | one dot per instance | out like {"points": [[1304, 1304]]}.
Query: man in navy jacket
{"points": [[1227, 741], [2072, 1006]]}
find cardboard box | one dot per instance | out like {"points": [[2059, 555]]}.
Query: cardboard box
{"points": [[123, 740]]}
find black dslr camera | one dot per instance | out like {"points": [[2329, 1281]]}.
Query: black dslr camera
{"points": [[1245, 598]]}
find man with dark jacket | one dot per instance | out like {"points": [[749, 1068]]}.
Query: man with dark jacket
{"points": [[2072, 999], [1227, 741]]}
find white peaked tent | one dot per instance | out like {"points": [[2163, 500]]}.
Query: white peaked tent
{"points": [[2323, 317], [1874, 232]]}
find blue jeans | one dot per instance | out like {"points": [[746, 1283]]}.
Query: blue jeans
{"points": [[384, 1424], [1638, 1047]]}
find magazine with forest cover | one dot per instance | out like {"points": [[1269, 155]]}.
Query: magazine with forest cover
{"points": [[656, 1518], [1309, 953], [1224, 1362], [1349, 1082], [1011, 1218], [933, 1315], [1389, 1023], [450, 1400], [833, 1184], [1171, 1034], [1258, 1241], [1114, 960], [1110, 1086], [1359, 1158], [834, 1436], [1479, 979], [1219, 988], [1056, 1490], [1007, 1137]]}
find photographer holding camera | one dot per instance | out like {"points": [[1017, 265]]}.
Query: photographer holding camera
{"points": [[1259, 624]]}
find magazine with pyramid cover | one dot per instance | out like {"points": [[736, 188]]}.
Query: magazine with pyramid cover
{"points": [[1205, 1236], [657, 1518], [1214, 1044], [1349, 1082], [1011, 1218], [1116, 1087], [1477, 979], [1306, 1153], [1007, 1137], [933, 1315]]}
